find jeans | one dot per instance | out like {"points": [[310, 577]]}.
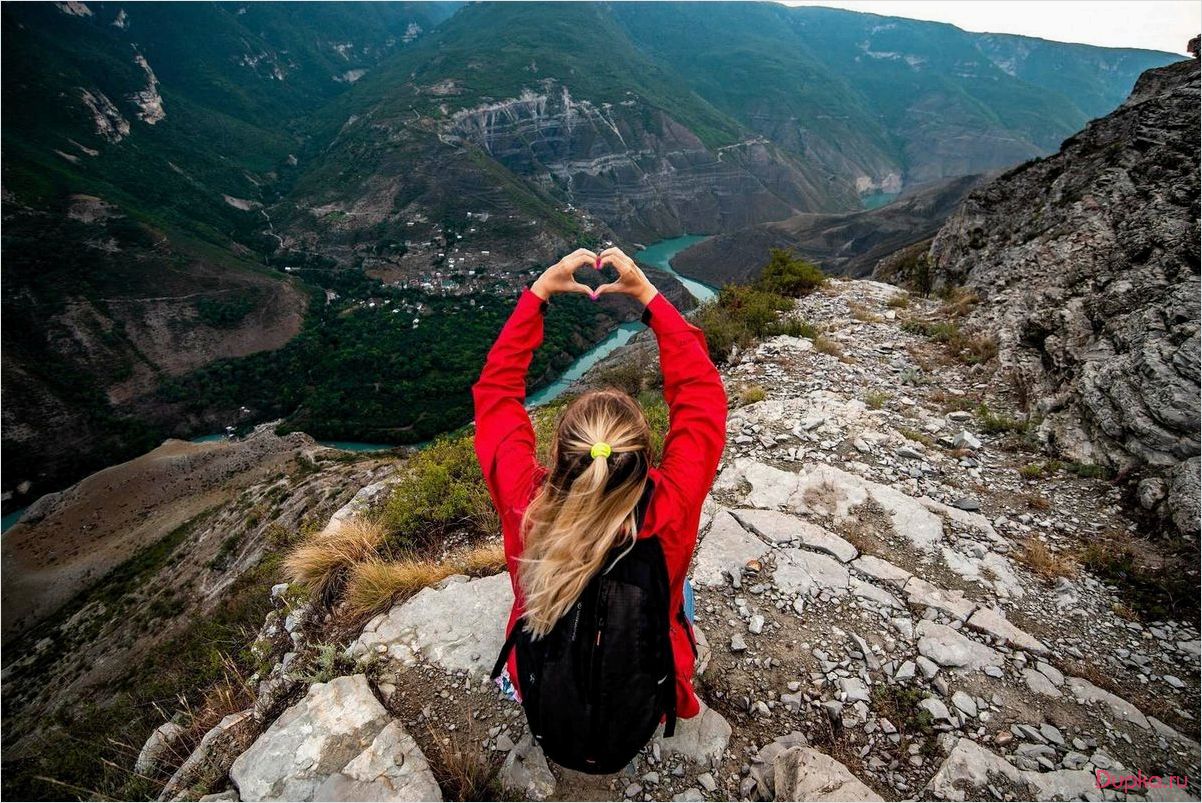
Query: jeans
{"points": [[688, 600]]}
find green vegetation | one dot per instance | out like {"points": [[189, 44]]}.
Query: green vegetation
{"points": [[876, 400], [1000, 422], [743, 314], [751, 395], [788, 275]]}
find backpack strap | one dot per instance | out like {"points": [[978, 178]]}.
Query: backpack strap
{"points": [[510, 640]]}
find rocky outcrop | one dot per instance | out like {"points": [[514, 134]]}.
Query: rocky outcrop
{"points": [[1087, 264], [338, 743], [847, 244]]}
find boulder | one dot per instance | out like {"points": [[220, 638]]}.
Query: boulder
{"points": [[994, 622], [460, 627], [338, 743], [803, 773], [702, 738], [725, 548], [971, 772], [949, 648], [213, 756], [526, 771], [159, 745]]}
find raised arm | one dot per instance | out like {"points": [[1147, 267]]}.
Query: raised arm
{"points": [[692, 387], [504, 434]]}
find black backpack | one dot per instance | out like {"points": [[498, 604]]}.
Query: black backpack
{"points": [[596, 687]]}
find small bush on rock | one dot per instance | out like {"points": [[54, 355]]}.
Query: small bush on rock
{"points": [[789, 275]]}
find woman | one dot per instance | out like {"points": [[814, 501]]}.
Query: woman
{"points": [[559, 523]]}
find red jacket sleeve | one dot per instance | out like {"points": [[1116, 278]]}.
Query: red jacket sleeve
{"points": [[504, 434], [696, 405]]}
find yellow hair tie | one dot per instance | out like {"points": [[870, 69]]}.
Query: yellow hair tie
{"points": [[600, 449]]}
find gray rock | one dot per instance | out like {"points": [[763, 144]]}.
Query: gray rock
{"points": [[803, 773], [1050, 672], [875, 594], [905, 671], [966, 440], [782, 528], [1082, 688], [219, 797], [161, 744], [338, 743], [1051, 733], [964, 703], [882, 570], [991, 621], [691, 795], [737, 644], [928, 667], [391, 768], [726, 546], [970, 771], [1040, 684], [702, 738], [459, 627], [923, 594], [935, 707], [525, 770], [948, 648], [756, 625], [854, 689], [801, 572], [213, 756]]}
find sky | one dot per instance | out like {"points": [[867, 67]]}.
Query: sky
{"points": [[1153, 24]]}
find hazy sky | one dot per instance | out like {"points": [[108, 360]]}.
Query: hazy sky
{"points": [[1153, 24]]}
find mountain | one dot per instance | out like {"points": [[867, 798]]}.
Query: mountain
{"points": [[1087, 266], [849, 244], [222, 214]]}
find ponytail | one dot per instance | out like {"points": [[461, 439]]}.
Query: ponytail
{"points": [[587, 505]]}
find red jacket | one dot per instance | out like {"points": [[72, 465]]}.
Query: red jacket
{"points": [[696, 436]]}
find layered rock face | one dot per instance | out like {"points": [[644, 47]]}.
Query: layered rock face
{"points": [[1088, 263], [633, 166]]}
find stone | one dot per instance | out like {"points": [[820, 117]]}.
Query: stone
{"points": [[1082, 688], [970, 771], [969, 503], [965, 703], [875, 594], [929, 668], [1050, 672], [526, 770], [737, 644], [801, 572], [460, 627], [853, 689], [1040, 684], [213, 756], [702, 738], [948, 648], [966, 440], [706, 781], [391, 768], [924, 595], [1051, 733], [935, 707], [337, 743], [228, 794], [882, 570], [905, 671], [160, 745], [782, 528], [725, 547], [993, 622], [691, 795], [756, 625], [803, 773]]}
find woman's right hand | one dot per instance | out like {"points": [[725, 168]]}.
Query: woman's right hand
{"points": [[561, 278], [631, 279]]}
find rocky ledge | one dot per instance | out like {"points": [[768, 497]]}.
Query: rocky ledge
{"points": [[875, 627]]}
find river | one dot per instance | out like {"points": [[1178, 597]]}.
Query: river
{"points": [[658, 254]]}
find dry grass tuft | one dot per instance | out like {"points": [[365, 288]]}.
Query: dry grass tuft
{"points": [[374, 585], [463, 768], [826, 345], [1037, 502], [322, 563], [751, 394], [1046, 563], [862, 313], [899, 301], [959, 302]]}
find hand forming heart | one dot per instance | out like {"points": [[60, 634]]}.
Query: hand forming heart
{"points": [[560, 277]]}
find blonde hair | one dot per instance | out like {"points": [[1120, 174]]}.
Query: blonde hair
{"points": [[587, 505]]}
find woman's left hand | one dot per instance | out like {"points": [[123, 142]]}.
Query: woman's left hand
{"points": [[561, 277]]}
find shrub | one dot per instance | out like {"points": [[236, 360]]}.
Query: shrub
{"points": [[826, 345], [751, 395], [876, 400], [739, 316], [793, 327], [789, 275], [441, 487], [917, 437], [862, 313], [999, 422], [899, 301]]}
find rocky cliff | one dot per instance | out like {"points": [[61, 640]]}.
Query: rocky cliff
{"points": [[890, 608], [847, 244], [1087, 263]]}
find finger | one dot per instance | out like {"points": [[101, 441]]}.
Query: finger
{"points": [[578, 258], [620, 261], [577, 287], [612, 287]]}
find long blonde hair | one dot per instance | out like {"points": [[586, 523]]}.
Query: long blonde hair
{"points": [[586, 506]]}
